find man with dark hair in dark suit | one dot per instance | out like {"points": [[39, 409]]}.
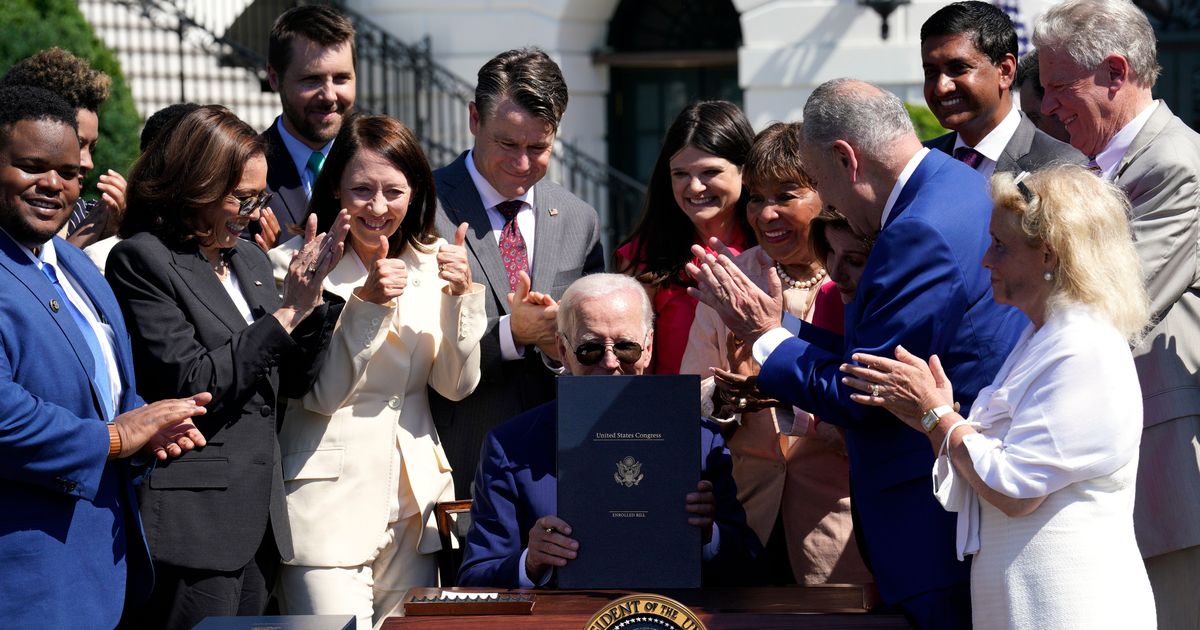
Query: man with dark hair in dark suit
{"points": [[528, 237], [310, 62], [969, 56]]}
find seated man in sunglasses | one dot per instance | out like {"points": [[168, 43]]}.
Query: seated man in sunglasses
{"points": [[515, 540]]}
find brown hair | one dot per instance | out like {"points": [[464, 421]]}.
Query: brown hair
{"points": [[64, 74], [392, 140], [818, 230], [317, 23], [530, 78], [775, 157], [184, 172]]}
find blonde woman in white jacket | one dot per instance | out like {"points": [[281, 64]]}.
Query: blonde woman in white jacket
{"points": [[362, 462]]}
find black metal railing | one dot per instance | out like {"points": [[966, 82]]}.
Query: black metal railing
{"points": [[396, 78]]}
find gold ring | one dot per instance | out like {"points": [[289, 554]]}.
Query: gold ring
{"points": [[741, 403], [549, 530], [875, 390]]}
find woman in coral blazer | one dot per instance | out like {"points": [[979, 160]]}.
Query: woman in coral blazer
{"points": [[362, 462]]}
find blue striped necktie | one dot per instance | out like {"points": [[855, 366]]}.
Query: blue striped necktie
{"points": [[100, 367]]}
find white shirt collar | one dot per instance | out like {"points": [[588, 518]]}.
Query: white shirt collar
{"points": [[297, 149], [993, 144], [46, 252], [487, 192], [909, 169], [1109, 157]]}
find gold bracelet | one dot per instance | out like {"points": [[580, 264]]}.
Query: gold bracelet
{"points": [[114, 442]]}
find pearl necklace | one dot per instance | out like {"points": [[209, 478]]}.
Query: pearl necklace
{"points": [[803, 285]]}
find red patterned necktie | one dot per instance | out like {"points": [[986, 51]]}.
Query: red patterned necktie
{"points": [[968, 156], [512, 244]]}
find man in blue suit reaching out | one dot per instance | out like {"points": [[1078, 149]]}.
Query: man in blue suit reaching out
{"points": [[71, 543], [922, 288]]}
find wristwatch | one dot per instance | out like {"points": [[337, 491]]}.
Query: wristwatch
{"points": [[929, 421]]}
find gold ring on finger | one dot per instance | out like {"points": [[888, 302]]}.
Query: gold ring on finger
{"points": [[875, 390]]}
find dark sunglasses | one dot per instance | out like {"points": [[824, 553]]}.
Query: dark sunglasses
{"points": [[592, 352], [247, 205]]}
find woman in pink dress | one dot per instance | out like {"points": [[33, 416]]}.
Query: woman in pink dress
{"points": [[695, 193]]}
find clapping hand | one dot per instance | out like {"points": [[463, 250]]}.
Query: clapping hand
{"points": [[163, 427], [268, 235], [386, 277], [905, 386], [452, 263], [534, 318], [306, 273], [744, 308]]}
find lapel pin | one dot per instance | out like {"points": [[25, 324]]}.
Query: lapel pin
{"points": [[258, 283], [553, 212], [54, 305]]}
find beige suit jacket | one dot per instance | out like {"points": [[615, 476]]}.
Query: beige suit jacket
{"points": [[364, 435], [805, 476], [1161, 174]]}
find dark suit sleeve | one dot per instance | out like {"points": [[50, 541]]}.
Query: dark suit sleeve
{"points": [[46, 445], [169, 360], [298, 372], [733, 564], [595, 258], [911, 296], [495, 540]]}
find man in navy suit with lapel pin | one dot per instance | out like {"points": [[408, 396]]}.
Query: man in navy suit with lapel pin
{"points": [[528, 237], [924, 288], [71, 543], [310, 63]]}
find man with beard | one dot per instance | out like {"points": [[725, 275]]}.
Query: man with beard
{"points": [[310, 63], [969, 57], [72, 545]]}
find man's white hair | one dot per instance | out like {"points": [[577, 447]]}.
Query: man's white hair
{"points": [[598, 285], [1090, 30], [870, 120]]}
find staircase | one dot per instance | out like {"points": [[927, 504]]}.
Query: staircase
{"points": [[214, 51]]}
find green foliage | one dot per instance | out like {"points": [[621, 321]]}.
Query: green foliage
{"points": [[32, 25], [925, 122]]}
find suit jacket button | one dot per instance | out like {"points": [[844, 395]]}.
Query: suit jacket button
{"points": [[266, 410], [394, 402]]}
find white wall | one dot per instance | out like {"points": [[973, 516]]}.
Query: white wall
{"points": [[789, 47]]}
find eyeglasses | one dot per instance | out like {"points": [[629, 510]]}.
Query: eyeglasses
{"points": [[248, 205], [592, 352]]}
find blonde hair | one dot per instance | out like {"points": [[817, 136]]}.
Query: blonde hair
{"points": [[1084, 221]]}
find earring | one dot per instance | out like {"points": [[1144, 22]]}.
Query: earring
{"points": [[1048, 276]]}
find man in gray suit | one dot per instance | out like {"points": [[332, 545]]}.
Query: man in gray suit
{"points": [[969, 56], [1097, 61], [528, 240]]}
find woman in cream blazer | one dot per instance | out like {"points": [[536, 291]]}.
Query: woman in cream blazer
{"points": [[362, 462]]}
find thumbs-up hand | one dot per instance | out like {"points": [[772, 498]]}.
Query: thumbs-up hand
{"points": [[452, 263], [534, 318], [386, 277]]}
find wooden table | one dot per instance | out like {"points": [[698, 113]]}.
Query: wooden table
{"points": [[833, 607]]}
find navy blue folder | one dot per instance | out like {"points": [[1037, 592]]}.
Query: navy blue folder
{"points": [[628, 454]]}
